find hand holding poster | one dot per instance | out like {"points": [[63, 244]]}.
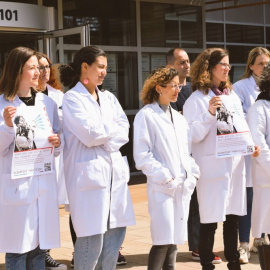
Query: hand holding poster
{"points": [[33, 154], [233, 135]]}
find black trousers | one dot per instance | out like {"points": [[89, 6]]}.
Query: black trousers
{"points": [[230, 237], [72, 231]]}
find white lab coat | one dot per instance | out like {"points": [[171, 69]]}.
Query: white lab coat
{"points": [[57, 96], [29, 206], [248, 91], [96, 173], [161, 151], [221, 189], [259, 124]]}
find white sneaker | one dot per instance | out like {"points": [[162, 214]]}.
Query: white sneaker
{"points": [[244, 253], [258, 242]]}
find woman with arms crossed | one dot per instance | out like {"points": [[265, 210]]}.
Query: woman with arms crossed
{"points": [[95, 127]]}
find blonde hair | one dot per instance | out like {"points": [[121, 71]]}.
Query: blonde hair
{"points": [[253, 54], [201, 70], [160, 76]]}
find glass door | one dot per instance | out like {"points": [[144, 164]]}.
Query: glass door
{"points": [[61, 45]]}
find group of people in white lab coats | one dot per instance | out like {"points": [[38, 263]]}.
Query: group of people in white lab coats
{"points": [[175, 152], [94, 127]]}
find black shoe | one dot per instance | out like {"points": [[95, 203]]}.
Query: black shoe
{"points": [[72, 261], [51, 264], [121, 259]]}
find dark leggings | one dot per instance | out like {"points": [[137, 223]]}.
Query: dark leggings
{"points": [[72, 232], [162, 257], [230, 237]]}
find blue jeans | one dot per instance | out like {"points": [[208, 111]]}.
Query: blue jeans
{"points": [[193, 223], [32, 260], [99, 251], [244, 222]]}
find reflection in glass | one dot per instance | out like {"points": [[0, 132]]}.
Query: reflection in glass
{"points": [[111, 22], [169, 25], [244, 33]]}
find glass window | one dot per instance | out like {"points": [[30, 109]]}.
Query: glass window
{"points": [[244, 33], [33, 2], [252, 14], [169, 25], [50, 3], [214, 32], [122, 78], [111, 22], [213, 15], [239, 54], [215, 46], [267, 35]]}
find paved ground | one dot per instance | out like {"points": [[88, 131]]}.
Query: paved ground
{"points": [[138, 241]]}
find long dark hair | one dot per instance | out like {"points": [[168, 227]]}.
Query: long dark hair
{"points": [[10, 80], [70, 74]]}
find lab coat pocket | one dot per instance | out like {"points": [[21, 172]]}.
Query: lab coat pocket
{"points": [[189, 186], [161, 196], [121, 170], [18, 191], [126, 173], [90, 175], [213, 169]]}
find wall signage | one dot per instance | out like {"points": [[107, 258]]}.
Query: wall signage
{"points": [[17, 15]]}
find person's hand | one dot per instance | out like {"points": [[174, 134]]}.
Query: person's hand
{"points": [[257, 151], [214, 103], [8, 114], [55, 140]]}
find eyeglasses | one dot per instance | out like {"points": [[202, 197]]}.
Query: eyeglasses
{"points": [[174, 86], [225, 65], [42, 68]]}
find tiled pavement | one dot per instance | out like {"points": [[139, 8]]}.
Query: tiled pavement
{"points": [[138, 241]]}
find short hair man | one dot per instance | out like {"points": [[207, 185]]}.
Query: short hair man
{"points": [[178, 59]]}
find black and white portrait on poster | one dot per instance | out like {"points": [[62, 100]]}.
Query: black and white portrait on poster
{"points": [[233, 135], [33, 154]]}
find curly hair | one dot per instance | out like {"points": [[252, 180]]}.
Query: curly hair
{"points": [[253, 54], [160, 76], [53, 82], [201, 70], [265, 79]]}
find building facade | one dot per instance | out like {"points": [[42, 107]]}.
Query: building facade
{"points": [[136, 34]]}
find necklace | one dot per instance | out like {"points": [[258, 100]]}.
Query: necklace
{"points": [[26, 99]]}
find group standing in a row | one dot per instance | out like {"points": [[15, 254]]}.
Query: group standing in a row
{"points": [[176, 152]]}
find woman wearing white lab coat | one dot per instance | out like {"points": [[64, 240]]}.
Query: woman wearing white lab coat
{"points": [[27, 204], [95, 127], [49, 86], [247, 90], [161, 151], [258, 120], [221, 187]]}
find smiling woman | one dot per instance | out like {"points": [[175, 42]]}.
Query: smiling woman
{"points": [[161, 151], [95, 127], [220, 189], [23, 208]]}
